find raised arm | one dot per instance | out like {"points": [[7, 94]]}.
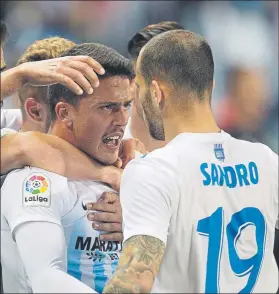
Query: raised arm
{"points": [[75, 72], [53, 154]]}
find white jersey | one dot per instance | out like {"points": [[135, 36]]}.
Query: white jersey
{"points": [[35, 195], [11, 118], [213, 201]]}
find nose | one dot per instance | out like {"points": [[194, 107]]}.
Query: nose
{"points": [[121, 117]]}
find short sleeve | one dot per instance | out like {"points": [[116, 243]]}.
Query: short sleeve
{"points": [[147, 192], [34, 195]]}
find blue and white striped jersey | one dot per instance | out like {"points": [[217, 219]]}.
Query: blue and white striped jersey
{"points": [[42, 196]]}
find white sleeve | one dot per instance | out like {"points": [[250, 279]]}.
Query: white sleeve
{"points": [[33, 195], [11, 118], [146, 194], [43, 250]]}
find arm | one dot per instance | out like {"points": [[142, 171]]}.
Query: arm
{"points": [[146, 208], [11, 82], [46, 263], [63, 70], [53, 154], [138, 266]]}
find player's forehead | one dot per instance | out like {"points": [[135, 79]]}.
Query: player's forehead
{"points": [[112, 89]]}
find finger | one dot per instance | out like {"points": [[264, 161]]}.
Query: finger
{"points": [[118, 163], [102, 206], [68, 82], [87, 71], [91, 62], [78, 77], [109, 197], [107, 227], [112, 237], [129, 148], [106, 217]]}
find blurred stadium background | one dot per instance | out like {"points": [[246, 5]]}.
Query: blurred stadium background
{"points": [[243, 36]]}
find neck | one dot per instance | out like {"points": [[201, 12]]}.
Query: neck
{"points": [[139, 130], [59, 130], [199, 119], [28, 126]]}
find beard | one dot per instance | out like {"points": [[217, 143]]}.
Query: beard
{"points": [[153, 118]]}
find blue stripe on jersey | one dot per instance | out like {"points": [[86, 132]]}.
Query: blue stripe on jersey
{"points": [[74, 256], [100, 278], [114, 266]]}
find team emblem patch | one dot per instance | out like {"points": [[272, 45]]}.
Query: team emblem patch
{"points": [[36, 190], [219, 152]]}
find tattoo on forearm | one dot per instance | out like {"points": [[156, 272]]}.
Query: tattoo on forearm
{"points": [[138, 266]]}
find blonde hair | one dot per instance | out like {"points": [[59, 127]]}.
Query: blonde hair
{"points": [[41, 50], [46, 49]]}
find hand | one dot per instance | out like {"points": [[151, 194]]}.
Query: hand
{"points": [[111, 175], [128, 150], [74, 72], [108, 216]]}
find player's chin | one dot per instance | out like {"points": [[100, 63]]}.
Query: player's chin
{"points": [[108, 158]]}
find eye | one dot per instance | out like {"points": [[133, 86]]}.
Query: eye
{"points": [[107, 107], [128, 105]]}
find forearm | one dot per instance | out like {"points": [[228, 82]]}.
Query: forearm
{"points": [[57, 155], [54, 280], [47, 272], [138, 266], [11, 81]]}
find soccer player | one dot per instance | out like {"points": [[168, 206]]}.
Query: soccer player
{"points": [[34, 104], [136, 127], [33, 100], [19, 150], [36, 115], [44, 223], [199, 214]]}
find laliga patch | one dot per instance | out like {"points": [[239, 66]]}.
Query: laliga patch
{"points": [[36, 190]]}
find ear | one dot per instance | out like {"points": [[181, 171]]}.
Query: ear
{"points": [[33, 109], [64, 113], [156, 93]]}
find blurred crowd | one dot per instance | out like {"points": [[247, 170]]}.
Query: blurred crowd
{"points": [[242, 34]]}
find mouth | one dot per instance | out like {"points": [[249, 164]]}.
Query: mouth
{"points": [[112, 141]]}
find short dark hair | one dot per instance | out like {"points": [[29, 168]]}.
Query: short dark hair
{"points": [[3, 32], [147, 33], [181, 58], [113, 62]]}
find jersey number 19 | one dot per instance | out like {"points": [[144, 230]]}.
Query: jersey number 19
{"points": [[213, 228]]}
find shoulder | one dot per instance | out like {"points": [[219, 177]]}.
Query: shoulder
{"points": [[35, 174], [34, 186], [6, 131], [160, 161], [257, 149], [155, 171]]}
